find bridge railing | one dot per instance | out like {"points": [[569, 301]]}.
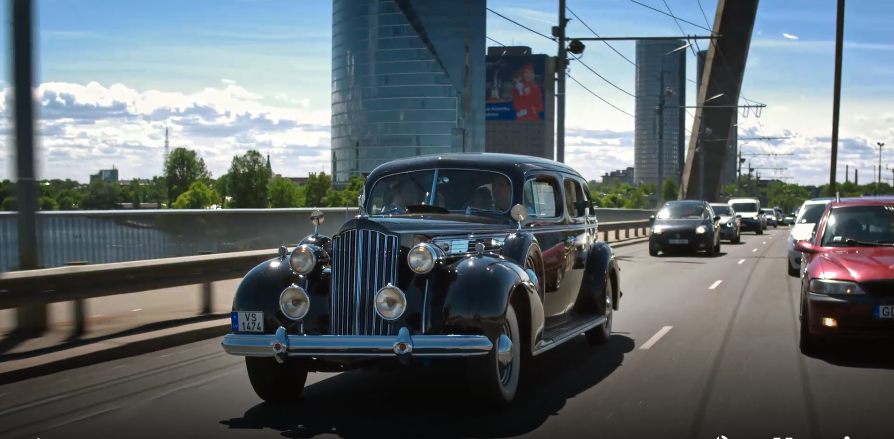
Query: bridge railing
{"points": [[102, 237], [77, 282]]}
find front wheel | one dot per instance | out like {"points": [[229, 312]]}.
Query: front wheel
{"points": [[495, 375], [760, 231], [737, 239], [809, 343], [602, 333], [276, 383], [793, 272]]}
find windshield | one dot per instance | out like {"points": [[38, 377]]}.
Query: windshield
{"points": [[811, 213], [745, 207], [864, 224], [721, 210], [456, 190], [681, 211], [770, 212]]}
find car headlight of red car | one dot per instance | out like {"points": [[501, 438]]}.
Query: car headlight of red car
{"points": [[835, 287]]}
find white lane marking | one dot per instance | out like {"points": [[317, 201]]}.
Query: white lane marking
{"points": [[754, 250], [764, 242], [3, 394], [740, 262], [714, 285], [163, 356], [66, 379], [610, 415], [119, 367], [656, 337], [135, 310]]}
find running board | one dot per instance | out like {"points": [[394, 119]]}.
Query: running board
{"points": [[556, 336]]}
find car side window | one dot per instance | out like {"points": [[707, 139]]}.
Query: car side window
{"points": [[541, 197], [574, 198], [588, 200]]}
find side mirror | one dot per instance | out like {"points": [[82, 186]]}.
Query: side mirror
{"points": [[738, 215], [316, 218], [519, 213], [716, 217], [807, 247]]}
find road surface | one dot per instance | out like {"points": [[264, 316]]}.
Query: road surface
{"points": [[703, 348]]}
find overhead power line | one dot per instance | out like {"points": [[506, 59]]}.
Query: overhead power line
{"points": [[672, 15], [566, 73]]}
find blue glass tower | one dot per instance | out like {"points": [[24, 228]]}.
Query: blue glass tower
{"points": [[408, 79]]}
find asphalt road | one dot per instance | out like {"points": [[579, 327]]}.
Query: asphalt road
{"points": [[703, 348]]}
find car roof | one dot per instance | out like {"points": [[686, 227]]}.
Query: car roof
{"points": [[818, 201], [863, 201], [742, 199], [513, 165], [684, 202]]}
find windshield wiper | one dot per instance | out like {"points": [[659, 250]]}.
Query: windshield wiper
{"points": [[869, 244]]}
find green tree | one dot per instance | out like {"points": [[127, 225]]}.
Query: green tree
{"points": [[9, 204], [199, 196], [283, 193], [183, 168], [47, 203], [248, 181], [66, 203], [158, 191], [101, 195], [136, 193], [347, 196], [221, 186], [670, 190], [317, 188]]}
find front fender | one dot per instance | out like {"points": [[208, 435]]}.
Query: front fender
{"points": [[261, 287], [481, 291], [601, 266]]}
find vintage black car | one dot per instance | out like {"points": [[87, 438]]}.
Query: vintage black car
{"points": [[469, 256], [685, 226]]}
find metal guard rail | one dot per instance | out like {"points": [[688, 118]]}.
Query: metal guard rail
{"points": [[74, 283]]}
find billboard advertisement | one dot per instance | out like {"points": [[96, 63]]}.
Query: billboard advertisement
{"points": [[515, 87]]}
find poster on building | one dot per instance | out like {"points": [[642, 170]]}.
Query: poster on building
{"points": [[515, 87]]}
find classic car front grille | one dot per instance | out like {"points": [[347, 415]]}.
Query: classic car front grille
{"points": [[363, 261], [879, 288]]}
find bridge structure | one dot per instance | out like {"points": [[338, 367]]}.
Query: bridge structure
{"points": [[722, 81]]}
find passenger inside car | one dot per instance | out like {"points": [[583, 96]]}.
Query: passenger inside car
{"points": [[863, 224]]}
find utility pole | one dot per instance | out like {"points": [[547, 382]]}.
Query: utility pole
{"points": [[836, 98], [739, 177], [750, 169], [32, 318], [562, 61], [878, 186], [701, 159]]}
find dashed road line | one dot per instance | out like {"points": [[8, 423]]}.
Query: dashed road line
{"points": [[656, 337], [754, 250], [135, 310], [714, 285], [740, 262], [119, 367]]}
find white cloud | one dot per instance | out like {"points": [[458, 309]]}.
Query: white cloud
{"points": [[227, 81], [86, 128], [789, 36]]}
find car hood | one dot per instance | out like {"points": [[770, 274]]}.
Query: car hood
{"points": [[859, 264], [678, 224], [748, 214], [726, 218], [436, 224], [802, 231]]}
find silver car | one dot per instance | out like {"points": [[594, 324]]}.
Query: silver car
{"points": [[808, 215]]}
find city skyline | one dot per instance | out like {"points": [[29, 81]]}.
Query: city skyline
{"points": [[235, 75]]}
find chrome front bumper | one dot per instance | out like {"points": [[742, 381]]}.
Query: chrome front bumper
{"points": [[281, 345]]}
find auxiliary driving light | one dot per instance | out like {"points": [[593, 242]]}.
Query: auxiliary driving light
{"points": [[390, 302], [830, 322], [303, 260], [294, 302]]}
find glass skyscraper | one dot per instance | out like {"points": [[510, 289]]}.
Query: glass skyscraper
{"points": [[651, 57], [408, 79]]}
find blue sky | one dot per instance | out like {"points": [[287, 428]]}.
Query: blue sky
{"points": [[272, 57]]}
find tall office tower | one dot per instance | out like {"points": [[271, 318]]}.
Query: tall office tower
{"points": [[730, 168], [654, 60], [408, 78]]}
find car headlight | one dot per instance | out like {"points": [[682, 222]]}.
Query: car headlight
{"points": [[755, 217], [390, 302], [656, 230], [294, 302], [423, 257], [701, 229], [833, 287], [729, 224], [303, 259]]}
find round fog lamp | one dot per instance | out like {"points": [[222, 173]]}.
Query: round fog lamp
{"points": [[303, 260], [390, 303], [294, 302]]}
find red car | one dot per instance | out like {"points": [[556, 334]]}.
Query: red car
{"points": [[847, 282]]}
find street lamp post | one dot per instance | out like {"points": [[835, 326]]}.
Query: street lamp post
{"points": [[878, 185]]}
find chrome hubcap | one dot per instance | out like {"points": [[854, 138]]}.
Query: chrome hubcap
{"points": [[504, 354], [608, 313]]}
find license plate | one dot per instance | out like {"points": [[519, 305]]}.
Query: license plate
{"points": [[247, 321], [884, 312], [678, 241]]}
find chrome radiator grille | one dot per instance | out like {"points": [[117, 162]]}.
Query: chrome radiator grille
{"points": [[363, 261]]}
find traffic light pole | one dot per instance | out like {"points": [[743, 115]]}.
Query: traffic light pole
{"points": [[561, 62]]}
